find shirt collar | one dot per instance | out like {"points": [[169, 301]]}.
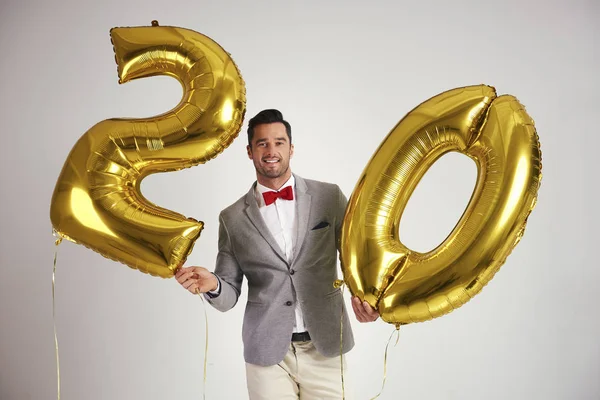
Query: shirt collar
{"points": [[260, 189]]}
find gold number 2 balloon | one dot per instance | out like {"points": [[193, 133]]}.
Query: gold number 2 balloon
{"points": [[97, 200], [407, 286]]}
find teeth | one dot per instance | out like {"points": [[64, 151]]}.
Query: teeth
{"points": [[271, 161]]}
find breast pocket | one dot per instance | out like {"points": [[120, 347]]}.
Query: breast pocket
{"points": [[320, 231], [320, 225], [320, 246], [319, 238]]}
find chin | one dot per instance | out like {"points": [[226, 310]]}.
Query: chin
{"points": [[272, 174]]}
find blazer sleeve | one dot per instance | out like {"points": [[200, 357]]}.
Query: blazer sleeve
{"points": [[228, 272]]}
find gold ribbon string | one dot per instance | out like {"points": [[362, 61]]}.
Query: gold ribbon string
{"points": [[397, 330], [56, 243], [339, 283], [205, 343]]}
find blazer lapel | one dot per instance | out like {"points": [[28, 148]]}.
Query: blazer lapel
{"points": [[257, 220], [303, 201]]}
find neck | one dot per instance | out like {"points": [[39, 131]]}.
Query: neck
{"points": [[274, 183]]}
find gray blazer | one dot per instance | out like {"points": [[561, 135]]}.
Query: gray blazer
{"points": [[247, 248]]}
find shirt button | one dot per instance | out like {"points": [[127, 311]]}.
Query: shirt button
{"points": [[288, 303], [292, 272]]}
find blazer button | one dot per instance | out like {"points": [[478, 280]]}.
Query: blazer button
{"points": [[288, 303], [292, 272]]}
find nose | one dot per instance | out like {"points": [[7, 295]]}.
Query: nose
{"points": [[270, 149]]}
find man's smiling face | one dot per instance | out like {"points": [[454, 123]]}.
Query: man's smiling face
{"points": [[270, 151]]}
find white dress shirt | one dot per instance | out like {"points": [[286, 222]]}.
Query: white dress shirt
{"points": [[280, 218]]}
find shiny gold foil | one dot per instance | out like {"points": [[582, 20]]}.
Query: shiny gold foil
{"points": [[97, 200], [407, 286]]}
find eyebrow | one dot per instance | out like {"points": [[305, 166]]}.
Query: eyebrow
{"points": [[282, 138]]}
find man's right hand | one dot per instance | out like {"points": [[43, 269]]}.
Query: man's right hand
{"points": [[197, 279]]}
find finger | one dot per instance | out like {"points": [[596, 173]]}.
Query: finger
{"points": [[196, 270], [185, 277], [188, 283], [370, 314], [356, 304], [180, 276], [187, 270], [359, 311], [193, 288], [355, 308], [182, 271], [370, 311]]}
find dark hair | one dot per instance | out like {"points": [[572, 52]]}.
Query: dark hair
{"points": [[268, 117]]}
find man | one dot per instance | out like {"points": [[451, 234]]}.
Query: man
{"points": [[283, 236]]}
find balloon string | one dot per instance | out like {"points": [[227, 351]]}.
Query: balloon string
{"points": [[205, 342], [57, 242], [339, 283], [397, 330], [342, 347]]}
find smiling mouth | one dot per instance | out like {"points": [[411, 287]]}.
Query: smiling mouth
{"points": [[271, 161]]}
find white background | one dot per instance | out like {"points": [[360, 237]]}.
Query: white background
{"points": [[343, 73]]}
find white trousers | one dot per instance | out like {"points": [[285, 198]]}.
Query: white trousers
{"points": [[303, 374]]}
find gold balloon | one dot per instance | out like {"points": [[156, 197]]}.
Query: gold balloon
{"points": [[97, 200], [407, 286]]}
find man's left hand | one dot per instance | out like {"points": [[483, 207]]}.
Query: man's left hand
{"points": [[363, 311]]}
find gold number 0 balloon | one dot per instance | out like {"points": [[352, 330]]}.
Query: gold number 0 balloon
{"points": [[97, 200], [406, 286]]}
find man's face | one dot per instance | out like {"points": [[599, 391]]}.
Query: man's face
{"points": [[270, 151]]}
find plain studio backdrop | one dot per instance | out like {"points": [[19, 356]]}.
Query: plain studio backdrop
{"points": [[343, 73]]}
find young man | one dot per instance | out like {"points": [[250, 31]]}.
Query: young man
{"points": [[283, 237]]}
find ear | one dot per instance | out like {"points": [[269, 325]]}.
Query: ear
{"points": [[291, 150], [249, 151]]}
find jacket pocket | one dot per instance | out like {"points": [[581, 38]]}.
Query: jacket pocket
{"points": [[320, 225]]}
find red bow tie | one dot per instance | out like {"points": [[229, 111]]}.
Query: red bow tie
{"points": [[286, 194]]}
